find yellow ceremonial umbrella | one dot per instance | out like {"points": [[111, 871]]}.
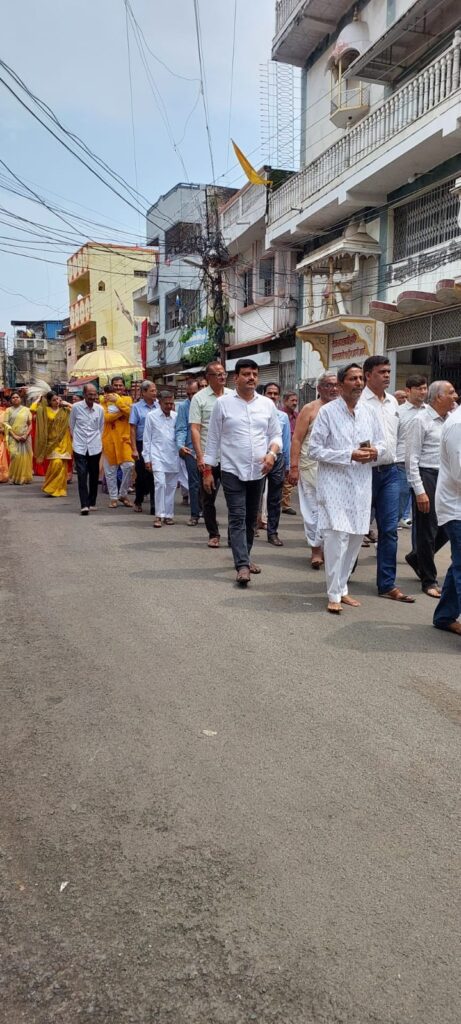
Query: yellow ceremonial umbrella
{"points": [[105, 363]]}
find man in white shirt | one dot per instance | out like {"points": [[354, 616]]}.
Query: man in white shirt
{"points": [[415, 398], [245, 436], [160, 454], [422, 460], [385, 481], [345, 441], [201, 407], [448, 509], [86, 425]]}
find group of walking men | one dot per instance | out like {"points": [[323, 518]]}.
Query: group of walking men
{"points": [[354, 453]]}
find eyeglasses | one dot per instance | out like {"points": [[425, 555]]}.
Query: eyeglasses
{"points": [[222, 373], [329, 386]]}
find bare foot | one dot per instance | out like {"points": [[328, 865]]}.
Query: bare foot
{"points": [[350, 601], [454, 627], [334, 608]]}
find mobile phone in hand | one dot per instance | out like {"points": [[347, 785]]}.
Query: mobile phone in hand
{"points": [[365, 444]]}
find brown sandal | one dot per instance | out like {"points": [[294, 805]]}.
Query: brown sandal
{"points": [[433, 592], [126, 502], [214, 542], [113, 504], [397, 595]]}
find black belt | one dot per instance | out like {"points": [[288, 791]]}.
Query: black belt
{"points": [[380, 469]]}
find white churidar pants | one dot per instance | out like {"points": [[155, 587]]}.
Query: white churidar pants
{"points": [[340, 551], [110, 473], [308, 507], [165, 489]]}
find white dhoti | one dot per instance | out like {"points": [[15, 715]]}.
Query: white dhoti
{"points": [[340, 551], [165, 489], [182, 477], [307, 493]]}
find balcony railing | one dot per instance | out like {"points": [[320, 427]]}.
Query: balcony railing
{"points": [[283, 9], [242, 204], [412, 101], [80, 312], [78, 264]]}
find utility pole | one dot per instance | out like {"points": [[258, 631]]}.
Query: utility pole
{"points": [[215, 258]]}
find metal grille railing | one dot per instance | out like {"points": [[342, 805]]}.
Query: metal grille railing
{"points": [[435, 83], [283, 10], [426, 221], [425, 330]]}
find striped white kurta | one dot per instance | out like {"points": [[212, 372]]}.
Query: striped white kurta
{"points": [[344, 487]]}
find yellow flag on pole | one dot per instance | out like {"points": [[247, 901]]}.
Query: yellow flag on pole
{"points": [[250, 172]]}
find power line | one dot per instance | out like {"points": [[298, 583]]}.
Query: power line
{"points": [[131, 98], [231, 81], [203, 85]]}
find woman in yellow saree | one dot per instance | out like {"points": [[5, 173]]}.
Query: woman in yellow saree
{"points": [[3, 447], [17, 425], [53, 442]]}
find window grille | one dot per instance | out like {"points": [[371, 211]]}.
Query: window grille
{"points": [[429, 220], [182, 308], [248, 288], [140, 273], [266, 277], [425, 330], [182, 239]]}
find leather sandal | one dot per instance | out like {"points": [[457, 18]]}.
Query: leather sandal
{"points": [[433, 592], [243, 576], [214, 542], [255, 569], [397, 595]]}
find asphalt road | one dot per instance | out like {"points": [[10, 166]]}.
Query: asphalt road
{"points": [[251, 807]]}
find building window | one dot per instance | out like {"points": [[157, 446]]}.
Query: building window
{"points": [[140, 273], [101, 286], [182, 308], [429, 220], [266, 277], [247, 281], [182, 239]]}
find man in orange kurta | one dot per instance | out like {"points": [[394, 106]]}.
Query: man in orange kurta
{"points": [[116, 444]]}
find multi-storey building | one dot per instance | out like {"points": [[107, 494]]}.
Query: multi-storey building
{"points": [[180, 224], [375, 207], [261, 286], [39, 351], [104, 303]]}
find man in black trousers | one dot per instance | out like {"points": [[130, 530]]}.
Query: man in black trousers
{"points": [[422, 462], [86, 425]]}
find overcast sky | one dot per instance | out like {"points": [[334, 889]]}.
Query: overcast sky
{"points": [[75, 58]]}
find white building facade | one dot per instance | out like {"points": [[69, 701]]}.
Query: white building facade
{"points": [[375, 207], [261, 287], [178, 223]]}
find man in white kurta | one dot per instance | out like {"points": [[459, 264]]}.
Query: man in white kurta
{"points": [[160, 454], [346, 440]]}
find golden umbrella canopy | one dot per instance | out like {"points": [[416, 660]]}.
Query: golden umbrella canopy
{"points": [[105, 363]]}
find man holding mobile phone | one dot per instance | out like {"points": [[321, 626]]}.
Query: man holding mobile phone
{"points": [[346, 440]]}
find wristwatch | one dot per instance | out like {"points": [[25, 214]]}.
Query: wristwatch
{"points": [[274, 455]]}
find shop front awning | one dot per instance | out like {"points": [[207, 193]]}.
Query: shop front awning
{"points": [[414, 303]]}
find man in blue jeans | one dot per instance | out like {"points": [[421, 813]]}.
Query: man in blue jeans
{"points": [[245, 436], [186, 452], [448, 509], [386, 482]]}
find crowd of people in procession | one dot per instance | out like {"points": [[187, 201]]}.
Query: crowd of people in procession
{"points": [[358, 455]]}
